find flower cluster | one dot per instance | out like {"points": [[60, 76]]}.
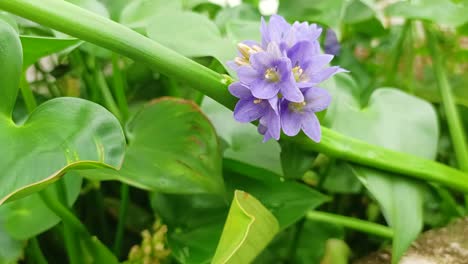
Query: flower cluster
{"points": [[278, 79]]}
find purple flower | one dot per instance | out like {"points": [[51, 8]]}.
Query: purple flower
{"points": [[278, 79], [270, 73], [297, 116], [278, 30], [309, 65], [249, 108]]}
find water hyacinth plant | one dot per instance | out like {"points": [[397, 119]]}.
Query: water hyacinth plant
{"points": [[284, 70], [138, 131]]}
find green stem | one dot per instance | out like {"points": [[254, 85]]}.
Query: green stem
{"points": [[119, 87], [36, 252], [397, 52], [109, 101], [75, 21], [345, 148], [72, 244], [123, 211], [28, 95], [352, 223], [63, 212], [448, 102]]}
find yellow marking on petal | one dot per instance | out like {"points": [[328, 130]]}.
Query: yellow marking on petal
{"points": [[257, 101], [297, 107], [271, 75]]}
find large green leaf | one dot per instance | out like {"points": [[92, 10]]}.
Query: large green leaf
{"points": [[440, 11], [248, 230], [30, 216], [397, 121], [35, 47], [59, 135], [172, 148], [197, 35]]}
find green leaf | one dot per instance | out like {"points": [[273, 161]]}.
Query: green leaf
{"points": [[241, 12], [204, 36], [287, 200], [336, 252], [439, 11], [11, 249], [28, 217], [60, 135], [397, 121], [248, 230], [92, 5], [294, 160], [137, 14], [172, 148], [328, 12], [35, 47], [244, 142]]}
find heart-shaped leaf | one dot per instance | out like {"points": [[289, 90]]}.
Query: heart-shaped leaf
{"points": [[173, 148], [58, 136], [248, 230], [35, 47], [397, 121]]}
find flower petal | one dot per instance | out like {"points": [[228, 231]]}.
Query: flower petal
{"points": [[247, 111], [317, 99], [248, 75], [263, 89], [300, 53], [261, 61], [274, 125], [290, 121], [311, 127], [324, 74], [240, 90]]}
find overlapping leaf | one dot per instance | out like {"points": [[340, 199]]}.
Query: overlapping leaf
{"points": [[59, 135], [397, 121], [248, 230], [173, 148]]}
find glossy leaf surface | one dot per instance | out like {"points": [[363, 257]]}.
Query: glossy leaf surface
{"points": [[172, 148], [248, 230]]}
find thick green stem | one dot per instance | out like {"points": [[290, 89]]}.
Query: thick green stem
{"points": [[70, 19], [352, 223]]}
